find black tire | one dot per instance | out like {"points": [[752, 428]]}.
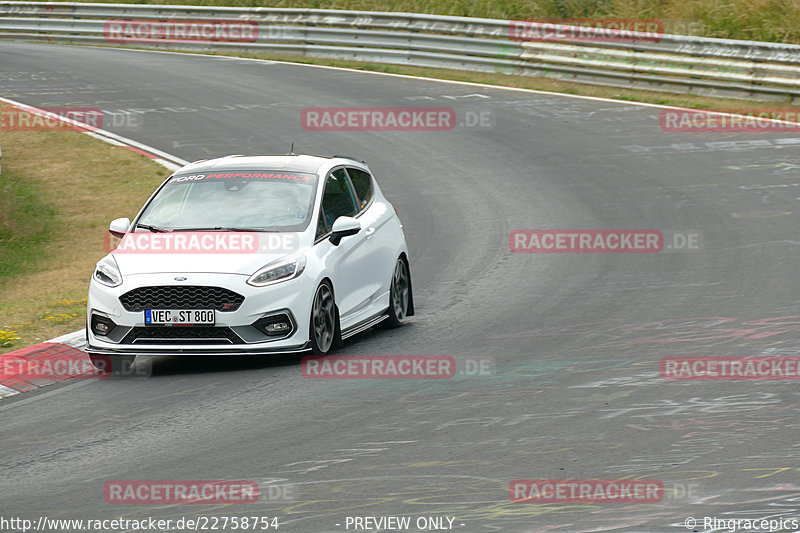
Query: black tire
{"points": [[399, 296], [113, 364], [323, 324]]}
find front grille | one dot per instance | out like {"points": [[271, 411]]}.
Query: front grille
{"points": [[181, 297], [182, 335]]}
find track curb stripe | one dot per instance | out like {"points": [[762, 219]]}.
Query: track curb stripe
{"points": [[40, 365]]}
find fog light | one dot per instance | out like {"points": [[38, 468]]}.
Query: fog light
{"points": [[280, 325], [277, 327], [101, 325]]}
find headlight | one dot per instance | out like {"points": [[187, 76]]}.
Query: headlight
{"points": [[280, 270], [107, 272]]}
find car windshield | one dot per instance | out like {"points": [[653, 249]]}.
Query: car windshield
{"points": [[257, 200]]}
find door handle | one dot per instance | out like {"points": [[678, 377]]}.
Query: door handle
{"points": [[369, 232]]}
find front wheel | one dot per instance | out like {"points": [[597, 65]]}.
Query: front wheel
{"points": [[324, 323], [399, 296]]}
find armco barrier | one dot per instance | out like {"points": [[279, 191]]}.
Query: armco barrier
{"points": [[673, 63]]}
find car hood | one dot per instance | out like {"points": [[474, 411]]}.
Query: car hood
{"points": [[240, 263]]}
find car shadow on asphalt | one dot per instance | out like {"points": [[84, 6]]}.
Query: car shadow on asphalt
{"points": [[155, 366]]}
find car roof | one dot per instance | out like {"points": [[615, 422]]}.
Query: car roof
{"points": [[293, 162]]}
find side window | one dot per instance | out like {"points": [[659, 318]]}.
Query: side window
{"points": [[362, 183], [322, 227], [337, 201]]}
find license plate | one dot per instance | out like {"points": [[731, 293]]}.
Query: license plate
{"points": [[179, 317]]}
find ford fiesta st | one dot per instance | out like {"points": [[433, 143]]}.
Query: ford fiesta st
{"points": [[251, 255]]}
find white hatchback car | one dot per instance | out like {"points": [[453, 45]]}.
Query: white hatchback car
{"points": [[251, 255]]}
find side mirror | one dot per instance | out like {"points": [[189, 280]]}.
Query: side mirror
{"points": [[119, 226], [344, 227]]}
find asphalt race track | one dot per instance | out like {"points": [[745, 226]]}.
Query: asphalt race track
{"points": [[570, 343]]}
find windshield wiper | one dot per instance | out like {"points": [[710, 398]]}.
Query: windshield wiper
{"points": [[154, 229]]}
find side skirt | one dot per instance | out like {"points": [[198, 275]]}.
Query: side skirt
{"points": [[366, 324]]}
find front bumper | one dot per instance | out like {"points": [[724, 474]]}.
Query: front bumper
{"points": [[196, 350], [233, 332]]}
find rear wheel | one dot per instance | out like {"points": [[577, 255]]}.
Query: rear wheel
{"points": [[324, 323], [399, 296], [113, 364]]}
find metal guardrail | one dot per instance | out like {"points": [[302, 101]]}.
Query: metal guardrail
{"points": [[674, 63]]}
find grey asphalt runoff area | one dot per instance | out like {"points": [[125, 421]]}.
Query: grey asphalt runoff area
{"points": [[570, 343]]}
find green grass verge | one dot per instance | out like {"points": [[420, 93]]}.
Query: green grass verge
{"points": [[58, 192], [26, 223]]}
